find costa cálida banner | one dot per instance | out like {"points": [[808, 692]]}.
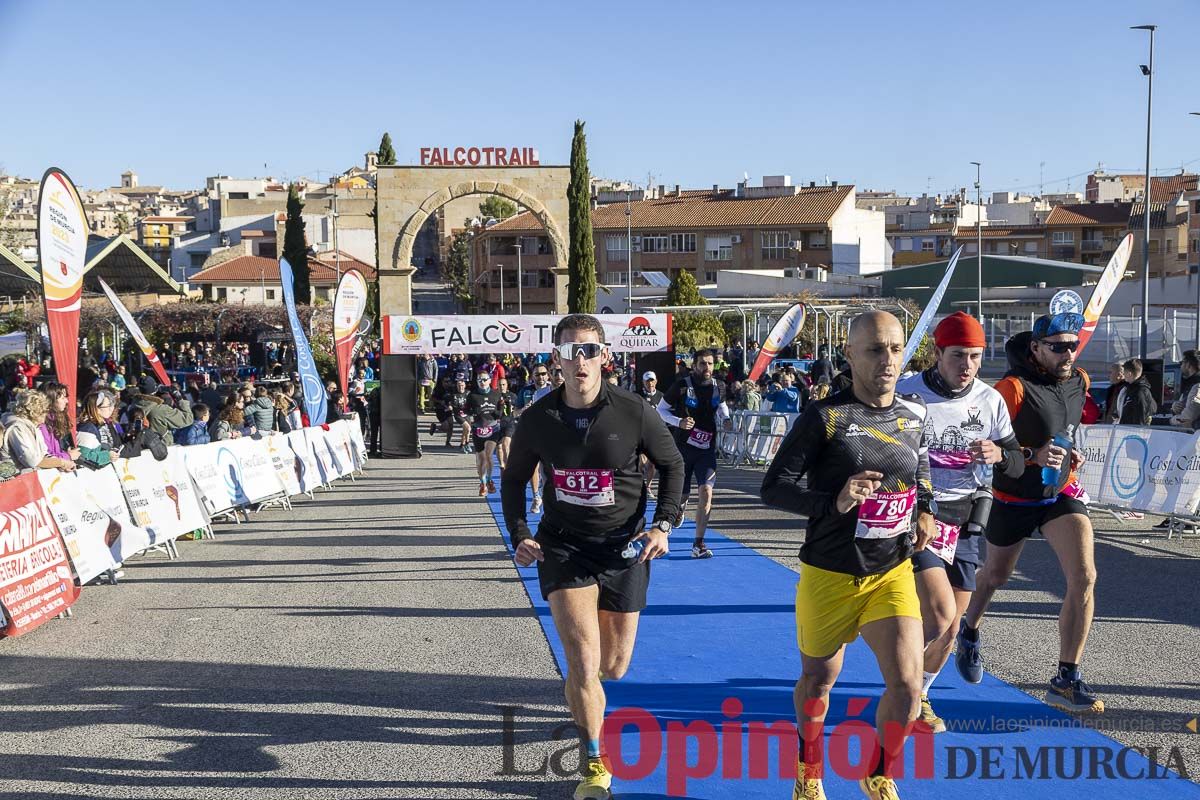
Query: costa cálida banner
{"points": [[36, 583], [349, 305], [310, 379], [136, 332], [484, 333], [62, 232]]}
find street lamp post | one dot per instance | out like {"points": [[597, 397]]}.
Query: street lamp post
{"points": [[1148, 71], [1195, 114], [629, 248], [520, 302], [501, 268], [979, 240]]}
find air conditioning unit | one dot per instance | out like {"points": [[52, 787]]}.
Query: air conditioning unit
{"points": [[637, 240], [787, 273], [795, 244], [735, 239]]}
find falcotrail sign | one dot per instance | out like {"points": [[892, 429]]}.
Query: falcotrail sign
{"points": [[494, 156], [483, 333]]}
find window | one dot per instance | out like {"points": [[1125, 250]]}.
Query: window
{"points": [[1031, 247], [1196, 206], [683, 242], [970, 248], [655, 244], [927, 245], [1064, 237], [615, 278], [1196, 245], [197, 259], [222, 292], [1154, 245], [817, 239], [775, 245], [710, 276], [904, 245], [616, 246], [718, 248], [270, 294]]}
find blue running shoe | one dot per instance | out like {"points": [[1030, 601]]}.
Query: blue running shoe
{"points": [[1073, 696], [966, 657]]}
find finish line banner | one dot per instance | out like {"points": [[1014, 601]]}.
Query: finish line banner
{"points": [[487, 333]]}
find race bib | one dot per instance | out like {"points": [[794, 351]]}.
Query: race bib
{"points": [[699, 439], [885, 515], [945, 543], [584, 487], [484, 433]]}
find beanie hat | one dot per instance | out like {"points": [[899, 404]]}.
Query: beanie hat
{"points": [[959, 329]]}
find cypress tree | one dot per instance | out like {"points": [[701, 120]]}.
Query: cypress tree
{"points": [[387, 153], [581, 260], [295, 249]]}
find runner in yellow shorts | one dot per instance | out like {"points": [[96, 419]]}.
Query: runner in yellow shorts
{"points": [[869, 505]]}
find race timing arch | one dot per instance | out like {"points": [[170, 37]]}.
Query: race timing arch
{"points": [[407, 196]]}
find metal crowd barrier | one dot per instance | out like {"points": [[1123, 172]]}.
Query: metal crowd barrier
{"points": [[753, 437]]}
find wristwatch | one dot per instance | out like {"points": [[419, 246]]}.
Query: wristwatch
{"points": [[928, 506], [1027, 453], [663, 526]]}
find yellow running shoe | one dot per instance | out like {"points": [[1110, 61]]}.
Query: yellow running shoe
{"points": [[595, 783], [935, 723], [807, 788], [879, 787]]}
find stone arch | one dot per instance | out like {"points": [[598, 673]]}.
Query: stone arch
{"points": [[403, 247]]}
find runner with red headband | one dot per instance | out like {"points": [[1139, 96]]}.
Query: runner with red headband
{"points": [[1045, 394]]}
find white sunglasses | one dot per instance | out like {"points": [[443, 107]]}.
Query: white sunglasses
{"points": [[569, 350]]}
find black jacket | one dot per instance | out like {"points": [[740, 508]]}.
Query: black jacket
{"points": [[1139, 404], [624, 428]]}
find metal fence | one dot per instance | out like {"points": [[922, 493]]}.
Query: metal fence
{"points": [[1116, 338]]}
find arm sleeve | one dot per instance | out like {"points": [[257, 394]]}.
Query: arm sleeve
{"points": [[799, 450], [522, 461], [666, 413], [1012, 462], [660, 448], [924, 482], [723, 412]]}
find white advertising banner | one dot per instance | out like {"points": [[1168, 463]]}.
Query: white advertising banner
{"points": [[337, 439], [359, 446], [327, 470], [86, 529], [288, 467], [232, 473], [1141, 468], [308, 470], [161, 495], [103, 488], [257, 472], [484, 333]]}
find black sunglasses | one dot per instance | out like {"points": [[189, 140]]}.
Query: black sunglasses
{"points": [[1061, 347]]}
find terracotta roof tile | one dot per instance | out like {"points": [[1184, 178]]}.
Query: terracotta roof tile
{"points": [[1000, 232], [706, 210], [1090, 214], [1167, 189], [251, 269]]}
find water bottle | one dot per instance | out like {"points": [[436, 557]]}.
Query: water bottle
{"points": [[981, 510], [633, 549], [1052, 476]]}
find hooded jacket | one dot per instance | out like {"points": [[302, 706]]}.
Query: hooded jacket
{"points": [[1139, 403], [1040, 407], [260, 412], [164, 419], [23, 442]]}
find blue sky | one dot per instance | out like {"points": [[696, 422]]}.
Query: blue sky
{"points": [[885, 95]]}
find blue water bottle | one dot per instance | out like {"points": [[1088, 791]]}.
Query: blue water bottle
{"points": [[1052, 476]]}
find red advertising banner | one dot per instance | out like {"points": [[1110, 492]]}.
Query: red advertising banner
{"points": [[36, 583], [62, 232], [349, 305]]}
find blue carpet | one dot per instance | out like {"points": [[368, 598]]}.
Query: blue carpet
{"points": [[724, 628]]}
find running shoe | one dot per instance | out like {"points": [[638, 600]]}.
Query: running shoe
{"points": [[935, 723], [1073, 696], [1166, 523], [596, 781], [468, 448], [700, 551], [879, 787], [967, 657], [483, 490], [491, 486], [536, 508], [432, 428], [806, 788]]}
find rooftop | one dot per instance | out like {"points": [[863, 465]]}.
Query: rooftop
{"points": [[252, 269], [1090, 214]]}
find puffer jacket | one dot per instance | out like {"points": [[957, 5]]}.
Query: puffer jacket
{"points": [[165, 419]]}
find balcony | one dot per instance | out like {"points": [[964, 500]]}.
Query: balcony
{"points": [[1063, 251], [1091, 245]]}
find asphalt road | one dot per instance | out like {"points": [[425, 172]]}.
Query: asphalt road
{"points": [[367, 643]]}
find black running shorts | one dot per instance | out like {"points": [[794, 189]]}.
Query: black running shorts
{"points": [[961, 572], [569, 564], [698, 464], [479, 441], [1010, 524]]}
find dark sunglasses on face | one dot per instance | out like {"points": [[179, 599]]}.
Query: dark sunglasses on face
{"points": [[1061, 347], [590, 350]]}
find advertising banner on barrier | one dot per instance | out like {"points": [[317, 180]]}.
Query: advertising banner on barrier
{"points": [[232, 473], [485, 333], [36, 583], [136, 332], [308, 469], [161, 494], [337, 439], [102, 488], [257, 474], [62, 236], [1141, 468], [315, 436], [358, 445], [87, 531], [286, 464]]}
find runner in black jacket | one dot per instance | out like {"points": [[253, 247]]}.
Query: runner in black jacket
{"points": [[483, 407], [592, 549]]}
